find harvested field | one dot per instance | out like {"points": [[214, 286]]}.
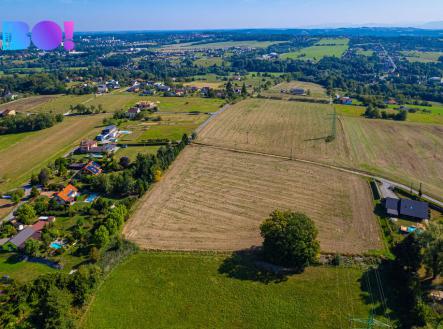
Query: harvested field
{"points": [[26, 104], [213, 199], [403, 151], [276, 127]]}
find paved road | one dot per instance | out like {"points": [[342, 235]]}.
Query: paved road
{"points": [[383, 180], [212, 117]]}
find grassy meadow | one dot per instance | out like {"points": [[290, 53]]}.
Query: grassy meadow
{"points": [[325, 47], [161, 290], [422, 56]]}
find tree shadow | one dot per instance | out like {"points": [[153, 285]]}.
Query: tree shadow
{"points": [[14, 259], [247, 265], [378, 289]]}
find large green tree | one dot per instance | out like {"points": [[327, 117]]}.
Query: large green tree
{"points": [[432, 241], [290, 239], [26, 214]]}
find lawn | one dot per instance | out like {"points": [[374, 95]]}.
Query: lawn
{"points": [[132, 151], [325, 47], [159, 290], [21, 271]]}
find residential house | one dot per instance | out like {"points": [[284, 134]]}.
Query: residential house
{"points": [[67, 195], [86, 145], [108, 133], [112, 84], [92, 168], [102, 89], [18, 242], [346, 100], [407, 208], [105, 148], [133, 112], [146, 105]]}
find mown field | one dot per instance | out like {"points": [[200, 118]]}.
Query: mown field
{"points": [[172, 126], [32, 151], [325, 47], [161, 290], [406, 152], [215, 200], [27, 104]]}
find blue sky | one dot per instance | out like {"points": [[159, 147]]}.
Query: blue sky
{"points": [[93, 15]]}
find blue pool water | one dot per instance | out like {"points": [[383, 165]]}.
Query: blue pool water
{"points": [[56, 245], [91, 197]]}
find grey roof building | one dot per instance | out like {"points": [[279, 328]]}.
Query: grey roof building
{"points": [[21, 238], [407, 208]]}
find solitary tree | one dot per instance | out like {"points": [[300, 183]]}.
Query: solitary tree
{"points": [[290, 239]]}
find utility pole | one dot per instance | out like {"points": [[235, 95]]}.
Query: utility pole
{"points": [[370, 323], [334, 124]]}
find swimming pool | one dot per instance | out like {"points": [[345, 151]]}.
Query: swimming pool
{"points": [[91, 198], [56, 245]]}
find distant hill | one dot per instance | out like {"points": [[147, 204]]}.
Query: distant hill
{"points": [[432, 26]]}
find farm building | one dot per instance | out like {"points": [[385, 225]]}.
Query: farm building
{"points": [[92, 168], [407, 208], [67, 195]]}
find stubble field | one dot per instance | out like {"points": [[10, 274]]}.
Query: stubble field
{"points": [[213, 199], [403, 151]]}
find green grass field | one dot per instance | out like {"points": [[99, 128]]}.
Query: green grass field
{"points": [[325, 47], [132, 151], [225, 45], [186, 104], [21, 271], [422, 56], [162, 290], [436, 117], [209, 61]]}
